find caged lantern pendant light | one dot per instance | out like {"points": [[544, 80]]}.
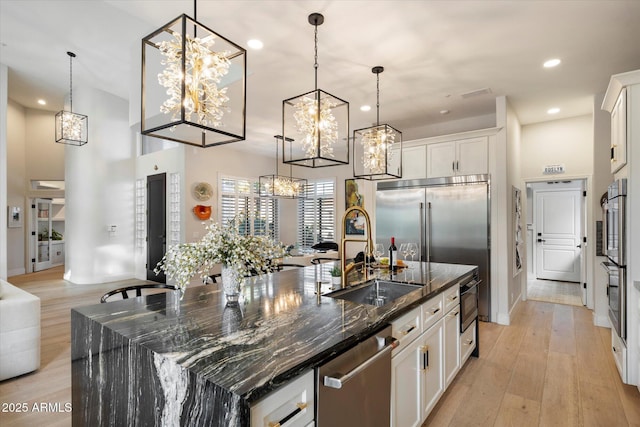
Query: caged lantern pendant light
{"points": [[278, 185], [193, 85], [377, 150], [71, 128], [315, 125]]}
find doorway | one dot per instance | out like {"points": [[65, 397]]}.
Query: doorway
{"points": [[556, 229], [156, 224]]}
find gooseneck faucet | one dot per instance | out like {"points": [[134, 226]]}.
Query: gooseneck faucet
{"points": [[343, 246]]}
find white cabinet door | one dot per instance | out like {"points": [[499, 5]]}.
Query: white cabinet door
{"points": [[619, 132], [431, 364], [414, 164], [451, 345], [463, 157], [472, 156], [406, 403], [441, 159]]}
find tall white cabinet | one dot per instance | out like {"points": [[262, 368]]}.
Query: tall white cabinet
{"points": [[622, 100]]}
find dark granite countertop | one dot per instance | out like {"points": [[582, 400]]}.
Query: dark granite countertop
{"points": [[280, 329]]}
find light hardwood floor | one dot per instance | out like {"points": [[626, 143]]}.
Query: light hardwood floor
{"points": [[550, 367]]}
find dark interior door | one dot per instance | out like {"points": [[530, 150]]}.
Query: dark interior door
{"points": [[156, 224]]}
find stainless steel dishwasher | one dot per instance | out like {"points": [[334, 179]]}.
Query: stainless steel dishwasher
{"points": [[354, 389]]}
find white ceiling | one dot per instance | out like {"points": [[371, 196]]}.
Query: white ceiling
{"points": [[432, 51]]}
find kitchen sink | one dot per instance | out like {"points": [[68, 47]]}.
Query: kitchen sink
{"points": [[375, 292]]}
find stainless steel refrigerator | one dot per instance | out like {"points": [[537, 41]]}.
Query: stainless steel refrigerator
{"points": [[447, 217]]}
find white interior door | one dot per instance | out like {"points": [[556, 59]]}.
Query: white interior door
{"points": [[42, 226], [558, 234]]}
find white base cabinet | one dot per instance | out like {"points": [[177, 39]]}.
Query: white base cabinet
{"points": [[467, 343], [429, 357]]}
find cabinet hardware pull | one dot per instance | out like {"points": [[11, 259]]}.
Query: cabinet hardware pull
{"points": [[453, 166], [453, 298], [405, 332], [435, 310], [452, 314], [615, 350], [425, 358], [457, 165], [300, 407], [469, 342]]}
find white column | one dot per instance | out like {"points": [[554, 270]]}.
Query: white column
{"points": [[100, 179], [3, 170]]}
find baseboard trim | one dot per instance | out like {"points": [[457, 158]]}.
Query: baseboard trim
{"points": [[602, 321]]}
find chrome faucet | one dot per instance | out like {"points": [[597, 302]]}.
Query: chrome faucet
{"points": [[343, 244]]}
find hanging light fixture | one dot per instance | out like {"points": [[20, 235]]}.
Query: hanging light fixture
{"points": [[377, 150], [71, 128], [315, 125], [193, 84], [278, 185]]}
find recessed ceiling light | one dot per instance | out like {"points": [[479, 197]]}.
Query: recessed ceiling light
{"points": [[42, 102], [255, 44], [443, 112], [365, 108], [551, 63], [554, 110]]}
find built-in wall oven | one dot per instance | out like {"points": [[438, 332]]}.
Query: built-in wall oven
{"points": [[615, 247]]}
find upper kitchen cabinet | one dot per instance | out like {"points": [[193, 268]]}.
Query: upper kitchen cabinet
{"points": [[619, 132], [461, 157]]}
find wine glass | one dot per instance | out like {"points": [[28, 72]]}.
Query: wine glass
{"points": [[378, 251], [413, 250], [404, 248]]}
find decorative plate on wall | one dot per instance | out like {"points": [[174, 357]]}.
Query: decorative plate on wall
{"points": [[203, 191]]}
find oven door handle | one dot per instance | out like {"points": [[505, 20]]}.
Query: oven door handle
{"points": [[339, 381], [469, 286]]}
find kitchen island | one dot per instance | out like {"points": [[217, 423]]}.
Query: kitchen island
{"points": [[166, 360]]}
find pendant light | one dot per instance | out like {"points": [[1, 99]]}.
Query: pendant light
{"points": [[315, 125], [377, 150], [278, 185], [198, 97], [71, 128]]}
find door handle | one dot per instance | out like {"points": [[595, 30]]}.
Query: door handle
{"points": [[541, 240], [338, 382], [579, 246]]}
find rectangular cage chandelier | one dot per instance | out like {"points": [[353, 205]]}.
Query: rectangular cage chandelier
{"points": [[196, 98], [281, 186], [377, 150], [71, 128], [315, 124]]}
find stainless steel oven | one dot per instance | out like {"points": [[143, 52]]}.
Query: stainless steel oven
{"points": [[617, 295], [468, 302], [614, 222], [614, 245]]}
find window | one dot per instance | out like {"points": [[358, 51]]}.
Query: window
{"points": [[240, 195], [317, 214]]}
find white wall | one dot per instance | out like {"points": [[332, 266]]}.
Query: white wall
{"points": [[100, 179], [3, 169], [16, 181]]}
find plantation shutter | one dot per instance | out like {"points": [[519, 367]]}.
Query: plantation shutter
{"points": [[240, 195], [316, 214]]}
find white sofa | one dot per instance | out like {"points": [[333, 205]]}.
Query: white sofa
{"points": [[19, 331]]}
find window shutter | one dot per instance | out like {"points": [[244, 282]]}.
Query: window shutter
{"points": [[316, 214]]}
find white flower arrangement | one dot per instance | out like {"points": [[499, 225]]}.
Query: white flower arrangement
{"points": [[225, 245]]}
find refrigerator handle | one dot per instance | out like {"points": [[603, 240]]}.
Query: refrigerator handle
{"points": [[428, 233]]}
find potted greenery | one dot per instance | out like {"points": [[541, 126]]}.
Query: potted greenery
{"points": [[336, 275]]}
